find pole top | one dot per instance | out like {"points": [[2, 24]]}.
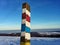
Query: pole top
{"points": [[26, 5]]}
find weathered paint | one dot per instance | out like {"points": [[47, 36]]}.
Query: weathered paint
{"points": [[25, 27]]}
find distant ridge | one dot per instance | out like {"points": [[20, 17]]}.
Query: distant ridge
{"points": [[35, 34]]}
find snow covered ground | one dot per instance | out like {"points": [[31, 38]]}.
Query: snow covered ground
{"points": [[8, 40]]}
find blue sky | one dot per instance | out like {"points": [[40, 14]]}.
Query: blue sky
{"points": [[45, 14]]}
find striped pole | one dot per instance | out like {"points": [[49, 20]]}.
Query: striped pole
{"points": [[25, 29]]}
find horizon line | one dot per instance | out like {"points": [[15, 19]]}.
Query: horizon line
{"points": [[31, 29]]}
